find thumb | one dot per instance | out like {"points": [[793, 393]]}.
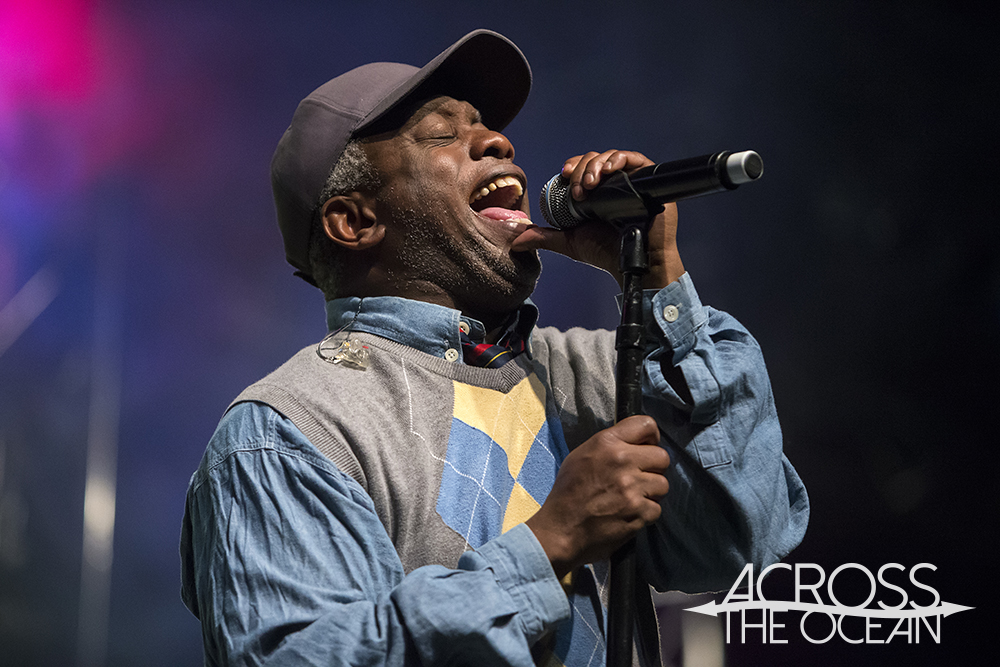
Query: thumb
{"points": [[541, 238]]}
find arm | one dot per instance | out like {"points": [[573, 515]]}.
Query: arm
{"points": [[285, 561], [733, 496]]}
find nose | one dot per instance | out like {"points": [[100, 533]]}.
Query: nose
{"points": [[488, 143]]}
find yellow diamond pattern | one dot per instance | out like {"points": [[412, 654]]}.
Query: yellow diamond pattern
{"points": [[490, 411]]}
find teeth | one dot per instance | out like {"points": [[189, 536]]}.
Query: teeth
{"points": [[497, 183]]}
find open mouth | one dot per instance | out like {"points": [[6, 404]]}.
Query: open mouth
{"points": [[500, 197]]}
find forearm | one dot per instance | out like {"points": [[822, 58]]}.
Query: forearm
{"points": [[734, 498], [483, 612], [286, 561]]}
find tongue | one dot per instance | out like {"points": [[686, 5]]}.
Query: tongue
{"points": [[497, 213]]}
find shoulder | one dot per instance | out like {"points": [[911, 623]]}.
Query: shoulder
{"points": [[550, 346], [252, 429]]}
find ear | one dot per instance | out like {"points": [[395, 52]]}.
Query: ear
{"points": [[350, 221]]}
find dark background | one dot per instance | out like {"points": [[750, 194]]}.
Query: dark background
{"points": [[135, 139]]}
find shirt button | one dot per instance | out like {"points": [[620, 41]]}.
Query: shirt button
{"points": [[463, 327], [451, 354], [671, 313]]}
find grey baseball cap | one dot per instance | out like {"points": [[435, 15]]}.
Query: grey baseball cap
{"points": [[483, 68]]}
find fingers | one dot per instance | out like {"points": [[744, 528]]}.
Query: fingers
{"points": [[635, 462], [638, 430], [641, 499], [643, 464], [586, 171], [654, 486], [633, 445]]}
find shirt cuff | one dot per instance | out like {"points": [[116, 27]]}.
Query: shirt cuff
{"points": [[677, 314], [523, 570]]}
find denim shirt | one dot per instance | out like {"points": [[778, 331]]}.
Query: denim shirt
{"points": [[248, 519]]}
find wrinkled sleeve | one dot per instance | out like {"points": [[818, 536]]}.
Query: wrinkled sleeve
{"points": [[284, 561], [734, 497]]}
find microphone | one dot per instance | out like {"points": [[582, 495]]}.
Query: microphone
{"points": [[635, 198]]}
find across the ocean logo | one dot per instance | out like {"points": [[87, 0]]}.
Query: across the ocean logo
{"points": [[897, 618]]}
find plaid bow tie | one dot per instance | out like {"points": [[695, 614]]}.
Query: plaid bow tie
{"points": [[492, 356]]}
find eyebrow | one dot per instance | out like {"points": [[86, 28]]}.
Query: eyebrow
{"points": [[474, 117]]}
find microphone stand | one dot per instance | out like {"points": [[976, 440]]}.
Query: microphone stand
{"points": [[634, 264]]}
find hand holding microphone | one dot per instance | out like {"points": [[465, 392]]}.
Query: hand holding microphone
{"points": [[623, 187]]}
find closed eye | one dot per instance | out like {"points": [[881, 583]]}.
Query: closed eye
{"points": [[441, 140]]}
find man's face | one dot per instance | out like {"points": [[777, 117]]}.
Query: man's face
{"points": [[452, 202]]}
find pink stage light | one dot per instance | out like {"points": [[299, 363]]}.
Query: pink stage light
{"points": [[46, 51]]}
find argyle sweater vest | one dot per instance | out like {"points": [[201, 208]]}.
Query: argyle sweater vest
{"points": [[454, 455]]}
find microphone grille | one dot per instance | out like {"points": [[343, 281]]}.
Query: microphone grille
{"points": [[556, 203]]}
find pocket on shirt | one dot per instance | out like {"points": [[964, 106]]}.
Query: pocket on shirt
{"points": [[712, 446]]}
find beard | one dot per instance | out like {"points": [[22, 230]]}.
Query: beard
{"points": [[478, 275]]}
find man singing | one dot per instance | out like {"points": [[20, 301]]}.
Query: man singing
{"points": [[438, 481]]}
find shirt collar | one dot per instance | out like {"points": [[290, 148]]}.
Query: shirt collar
{"points": [[424, 326]]}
